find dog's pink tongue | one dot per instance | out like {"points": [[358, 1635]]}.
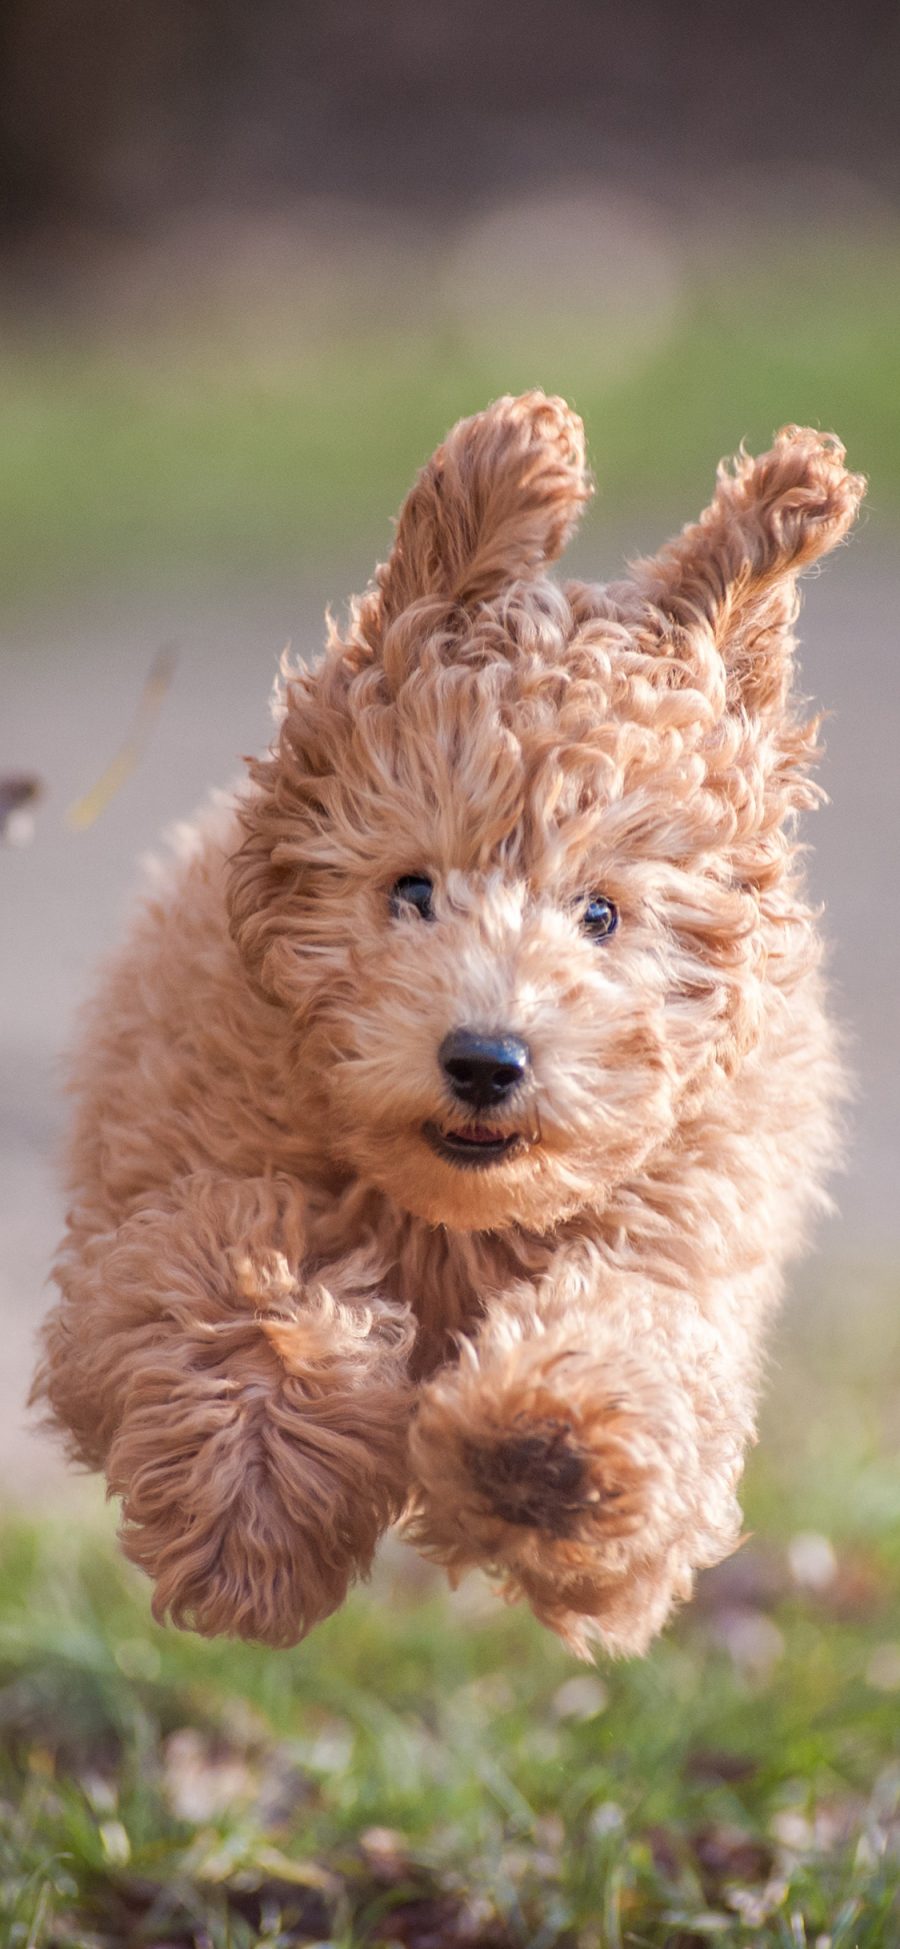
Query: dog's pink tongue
{"points": [[479, 1133]]}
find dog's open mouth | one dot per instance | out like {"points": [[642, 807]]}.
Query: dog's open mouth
{"points": [[475, 1146]]}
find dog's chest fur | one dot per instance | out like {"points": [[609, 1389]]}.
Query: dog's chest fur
{"points": [[448, 1278]]}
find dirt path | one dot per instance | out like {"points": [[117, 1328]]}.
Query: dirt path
{"points": [[70, 684]]}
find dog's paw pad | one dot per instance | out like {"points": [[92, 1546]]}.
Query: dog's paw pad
{"points": [[535, 1478]]}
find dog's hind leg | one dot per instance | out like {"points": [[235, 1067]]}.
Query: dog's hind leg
{"points": [[254, 1427]]}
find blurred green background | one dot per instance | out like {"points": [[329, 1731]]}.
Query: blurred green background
{"points": [[228, 440], [253, 262]]}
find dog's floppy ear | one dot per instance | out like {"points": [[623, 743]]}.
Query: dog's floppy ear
{"points": [[498, 500], [734, 571]]}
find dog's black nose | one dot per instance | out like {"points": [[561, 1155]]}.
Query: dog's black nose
{"points": [[483, 1069]]}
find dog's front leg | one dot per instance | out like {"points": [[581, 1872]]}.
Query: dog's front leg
{"points": [[254, 1424], [587, 1448]]}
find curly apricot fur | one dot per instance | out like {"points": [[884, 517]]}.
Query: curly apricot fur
{"points": [[284, 1316]]}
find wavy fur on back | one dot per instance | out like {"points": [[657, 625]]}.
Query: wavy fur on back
{"points": [[288, 1314]]}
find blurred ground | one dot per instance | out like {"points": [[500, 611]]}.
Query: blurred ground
{"points": [[72, 678]]}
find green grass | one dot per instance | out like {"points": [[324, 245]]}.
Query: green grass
{"points": [[222, 451], [435, 1772]]}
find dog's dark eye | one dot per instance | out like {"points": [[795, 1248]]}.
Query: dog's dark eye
{"points": [[413, 890], [599, 917]]}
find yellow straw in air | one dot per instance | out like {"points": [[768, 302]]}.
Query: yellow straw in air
{"points": [[82, 812]]}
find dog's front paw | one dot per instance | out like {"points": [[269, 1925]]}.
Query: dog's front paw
{"points": [[571, 1477], [534, 1477]]}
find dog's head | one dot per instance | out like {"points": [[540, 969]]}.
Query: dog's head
{"points": [[518, 863]]}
